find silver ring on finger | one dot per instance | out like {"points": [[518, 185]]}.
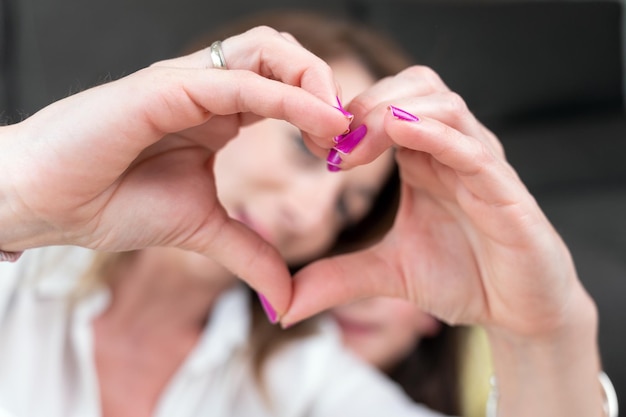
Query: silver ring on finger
{"points": [[217, 55]]}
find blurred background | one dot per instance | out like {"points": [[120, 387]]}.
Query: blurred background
{"points": [[546, 76]]}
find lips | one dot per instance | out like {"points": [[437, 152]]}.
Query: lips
{"points": [[355, 327]]}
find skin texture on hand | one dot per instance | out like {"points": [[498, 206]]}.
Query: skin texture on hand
{"points": [[469, 245], [128, 164]]}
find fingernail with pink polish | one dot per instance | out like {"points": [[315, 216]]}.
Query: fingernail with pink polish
{"points": [[339, 138], [346, 113], [400, 114], [349, 141], [269, 310], [333, 161]]}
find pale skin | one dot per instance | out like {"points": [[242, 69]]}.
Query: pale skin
{"points": [[470, 244], [270, 181], [383, 331], [103, 169]]}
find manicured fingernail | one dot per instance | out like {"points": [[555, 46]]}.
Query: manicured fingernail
{"points": [[349, 141], [269, 310], [333, 161], [398, 113], [333, 158], [339, 138], [339, 107]]}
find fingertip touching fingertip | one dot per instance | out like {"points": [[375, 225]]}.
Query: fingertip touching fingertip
{"points": [[271, 313], [286, 326], [348, 142], [346, 113], [344, 145]]}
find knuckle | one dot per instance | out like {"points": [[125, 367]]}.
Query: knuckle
{"points": [[495, 143], [363, 104], [456, 104], [264, 31], [289, 37], [425, 74], [324, 68], [483, 156]]}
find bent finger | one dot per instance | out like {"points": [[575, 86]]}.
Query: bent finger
{"points": [[415, 81], [482, 171], [245, 92], [339, 280], [271, 54]]}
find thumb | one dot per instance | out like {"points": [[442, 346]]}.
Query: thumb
{"points": [[339, 280], [252, 259]]}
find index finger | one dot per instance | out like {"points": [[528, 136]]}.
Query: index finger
{"points": [[272, 55], [342, 279], [369, 109]]}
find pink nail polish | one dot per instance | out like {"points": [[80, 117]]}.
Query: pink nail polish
{"points": [[349, 141], [333, 168], [339, 107], [333, 158], [400, 114], [269, 310], [339, 138]]}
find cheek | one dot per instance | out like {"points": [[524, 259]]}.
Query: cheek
{"points": [[244, 164], [303, 250], [239, 155]]}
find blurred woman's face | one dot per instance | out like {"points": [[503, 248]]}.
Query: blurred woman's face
{"points": [[383, 331], [270, 181]]}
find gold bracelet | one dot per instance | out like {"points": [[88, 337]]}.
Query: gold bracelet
{"points": [[610, 406]]}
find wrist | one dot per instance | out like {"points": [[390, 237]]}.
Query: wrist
{"points": [[551, 373], [610, 407], [577, 320], [20, 229]]}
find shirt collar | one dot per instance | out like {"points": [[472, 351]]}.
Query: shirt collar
{"points": [[225, 332]]}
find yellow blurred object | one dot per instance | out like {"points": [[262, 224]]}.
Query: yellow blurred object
{"points": [[475, 373]]}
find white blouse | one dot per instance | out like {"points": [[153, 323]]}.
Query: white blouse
{"points": [[47, 366]]}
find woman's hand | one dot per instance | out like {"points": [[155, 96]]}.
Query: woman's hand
{"points": [[469, 244], [128, 164]]}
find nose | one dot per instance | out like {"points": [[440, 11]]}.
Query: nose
{"points": [[310, 203]]}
